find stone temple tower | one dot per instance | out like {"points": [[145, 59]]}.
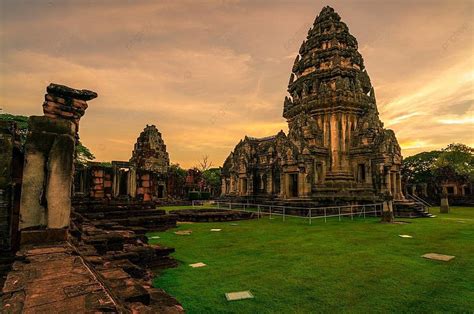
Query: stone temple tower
{"points": [[336, 147], [150, 151], [150, 161]]}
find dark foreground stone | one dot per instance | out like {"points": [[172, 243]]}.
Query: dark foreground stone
{"points": [[206, 215]]}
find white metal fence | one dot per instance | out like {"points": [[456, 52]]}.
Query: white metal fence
{"points": [[309, 213]]}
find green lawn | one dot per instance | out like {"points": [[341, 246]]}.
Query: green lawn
{"points": [[347, 266]]}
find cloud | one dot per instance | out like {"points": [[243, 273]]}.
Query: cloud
{"points": [[209, 73]]}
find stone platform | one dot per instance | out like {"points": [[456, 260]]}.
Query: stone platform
{"points": [[208, 215], [51, 279], [140, 217], [63, 278]]}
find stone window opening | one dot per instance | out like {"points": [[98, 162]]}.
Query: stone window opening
{"points": [[467, 190], [318, 178], [361, 174]]}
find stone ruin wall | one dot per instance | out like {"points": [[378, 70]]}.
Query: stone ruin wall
{"points": [[11, 172], [143, 178]]}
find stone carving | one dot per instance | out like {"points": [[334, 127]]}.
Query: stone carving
{"points": [[336, 144]]}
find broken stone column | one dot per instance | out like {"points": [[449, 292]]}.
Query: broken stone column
{"points": [[387, 210], [49, 159], [444, 206]]}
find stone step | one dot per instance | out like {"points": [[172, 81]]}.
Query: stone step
{"points": [[124, 213]]}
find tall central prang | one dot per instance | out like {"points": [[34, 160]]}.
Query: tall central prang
{"points": [[336, 146]]}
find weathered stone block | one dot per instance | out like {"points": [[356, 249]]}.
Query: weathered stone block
{"points": [[37, 124], [58, 192]]}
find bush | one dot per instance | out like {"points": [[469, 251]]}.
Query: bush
{"points": [[194, 195], [205, 195]]}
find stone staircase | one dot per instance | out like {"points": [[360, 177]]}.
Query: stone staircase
{"points": [[412, 208], [140, 217]]}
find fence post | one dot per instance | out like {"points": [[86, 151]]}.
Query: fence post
{"points": [[230, 206], [310, 216], [339, 209], [270, 211], [324, 214], [364, 210], [193, 203], [218, 206], [352, 216], [283, 213]]}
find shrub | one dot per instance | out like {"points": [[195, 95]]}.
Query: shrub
{"points": [[194, 195], [205, 195]]}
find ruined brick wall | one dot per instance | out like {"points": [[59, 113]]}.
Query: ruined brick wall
{"points": [[100, 182], [11, 161]]}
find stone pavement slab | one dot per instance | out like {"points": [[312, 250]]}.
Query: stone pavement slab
{"points": [[183, 232], [239, 295], [197, 265], [53, 279], [438, 257]]}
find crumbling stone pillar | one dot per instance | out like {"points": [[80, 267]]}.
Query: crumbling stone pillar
{"points": [[387, 210], [49, 159], [444, 206]]}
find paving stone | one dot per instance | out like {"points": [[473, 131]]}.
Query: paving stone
{"points": [[438, 257], [197, 265], [405, 236], [240, 295], [183, 232], [216, 230], [155, 237]]}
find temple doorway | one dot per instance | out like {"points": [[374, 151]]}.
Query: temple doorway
{"points": [[123, 183], [293, 184], [161, 191]]}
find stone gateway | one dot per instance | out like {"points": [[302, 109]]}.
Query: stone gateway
{"points": [[336, 147]]}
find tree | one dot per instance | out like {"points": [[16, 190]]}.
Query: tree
{"points": [[204, 164], [212, 178], [455, 163], [83, 154], [418, 168], [435, 168], [21, 122]]}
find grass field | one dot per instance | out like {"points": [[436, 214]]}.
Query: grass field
{"points": [[347, 266]]}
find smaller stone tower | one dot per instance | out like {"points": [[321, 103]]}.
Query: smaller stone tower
{"points": [[151, 161]]}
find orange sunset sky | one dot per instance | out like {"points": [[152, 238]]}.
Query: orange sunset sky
{"points": [[207, 73]]}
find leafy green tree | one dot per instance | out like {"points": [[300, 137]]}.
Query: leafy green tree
{"points": [[456, 163], [176, 180], [21, 121], [419, 168], [212, 178], [453, 163], [83, 154]]}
